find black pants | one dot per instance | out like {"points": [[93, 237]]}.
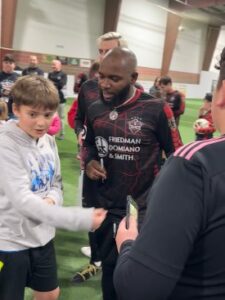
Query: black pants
{"points": [[108, 253], [90, 199]]}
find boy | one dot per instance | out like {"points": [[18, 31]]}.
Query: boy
{"points": [[31, 195]]}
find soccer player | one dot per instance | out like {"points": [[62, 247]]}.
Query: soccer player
{"points": [[31, 194], [174, 98], [205, 132], [127, 129], [179, 252], [88, 94]]}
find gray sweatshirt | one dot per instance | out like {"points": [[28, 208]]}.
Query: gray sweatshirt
{"points": [[30, 171]]}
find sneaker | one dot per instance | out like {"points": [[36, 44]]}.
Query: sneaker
{"points": [[90, 271], [86, 251]]}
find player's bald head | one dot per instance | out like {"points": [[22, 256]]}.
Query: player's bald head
{"points": [[123, 56]]}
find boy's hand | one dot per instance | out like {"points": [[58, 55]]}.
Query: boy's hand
{"points": [[98, 217], [49, 201], [124, 234], [94, 170]]}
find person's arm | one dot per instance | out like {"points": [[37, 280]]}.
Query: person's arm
{"points": [[40, 72], [80, 114], [16, 184], [167, 131], [150, 267], [179, 104], [63, 81]]}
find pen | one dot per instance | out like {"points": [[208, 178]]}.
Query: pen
{"points": [[129, 199], [114, 230], [102, 165]]}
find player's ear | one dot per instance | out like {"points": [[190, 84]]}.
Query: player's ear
{"points": [[134, 77], [219, 96]]}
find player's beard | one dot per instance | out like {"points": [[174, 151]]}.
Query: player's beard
{"points": [[118, 99]]}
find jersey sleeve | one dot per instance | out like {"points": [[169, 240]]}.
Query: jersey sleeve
{"points": [[173, 220], [89, 145], [80, 114], [167, 131]]}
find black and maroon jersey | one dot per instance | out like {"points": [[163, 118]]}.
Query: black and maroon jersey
{"points": [[129, 141], [89, 92], [176, 101], [180, 248], [206, 132]]}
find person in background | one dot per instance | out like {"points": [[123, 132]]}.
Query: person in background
{"points": [[174, 98], [205, 132], [80, 79], [126, 131], [89, 93], [93, 71], [155, 89], [31, 195], [71, 114], [55, 125], [3, 112], [33, 68], [7, 79], [59, 78], [179, 251]]}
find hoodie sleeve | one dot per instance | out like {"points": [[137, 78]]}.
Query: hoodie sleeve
{"points": [[15, 185], [56, 191]]}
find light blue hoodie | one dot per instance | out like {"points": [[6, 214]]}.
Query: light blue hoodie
{"points": [[30, 171]]}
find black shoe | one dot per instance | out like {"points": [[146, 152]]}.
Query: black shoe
{"points": [[90, 271]]}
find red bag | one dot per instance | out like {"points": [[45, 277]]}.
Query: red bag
{"points": [[72, 113]]}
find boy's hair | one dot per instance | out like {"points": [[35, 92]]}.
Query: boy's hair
{"points": [[36, 91], [165, 80], [208, 97], [3, 110], [112, 35]]}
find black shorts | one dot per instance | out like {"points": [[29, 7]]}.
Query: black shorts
{"points": [[35, 268]]}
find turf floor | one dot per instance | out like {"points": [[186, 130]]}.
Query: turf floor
{"points": [[68, 244]]}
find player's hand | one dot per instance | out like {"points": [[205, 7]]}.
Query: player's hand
{"points": [[124, 234], [81, 137], [94, 170], [98, 217]]}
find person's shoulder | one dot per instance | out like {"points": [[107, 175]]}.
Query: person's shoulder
{"points": [[48, 139], [207, 152], [90, 83], [151, 100], [90, 89]]}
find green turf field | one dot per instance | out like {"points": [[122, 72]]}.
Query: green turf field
{"points": [[68, 244]]}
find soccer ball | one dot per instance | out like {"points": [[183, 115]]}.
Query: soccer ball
{"points": [[200, 124]]}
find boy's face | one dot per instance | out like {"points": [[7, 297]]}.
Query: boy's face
{"points": [[35, 121]]}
